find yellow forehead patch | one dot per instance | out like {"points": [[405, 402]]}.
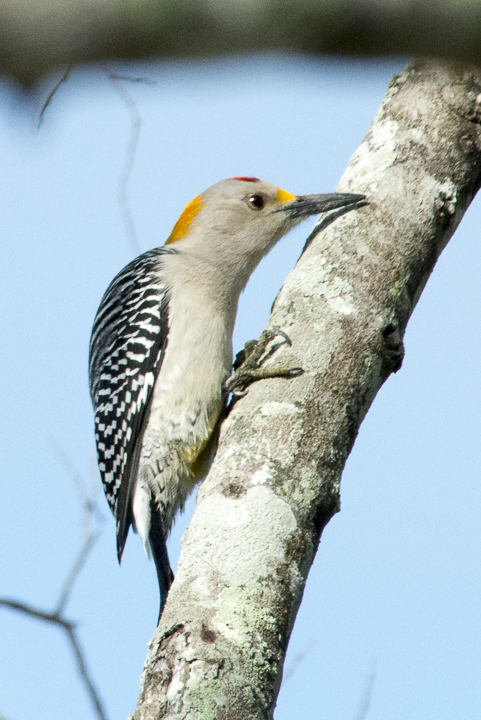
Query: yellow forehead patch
{"points": [[181, 227], [284, 197]]}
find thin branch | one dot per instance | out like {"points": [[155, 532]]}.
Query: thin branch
{"points": [[52, 93], [87, 496], [117, 81], [367, 692], [70, 469], [75, 572], [296, 661], [69, 627], [82, 668], [130, 152], [90, 512], [129, 78], [27, 609]]}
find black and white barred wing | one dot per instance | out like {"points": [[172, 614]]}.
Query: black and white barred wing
{"points": [[126, 351]]}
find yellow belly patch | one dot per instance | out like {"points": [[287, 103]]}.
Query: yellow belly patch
{"points": [[197, 455]]}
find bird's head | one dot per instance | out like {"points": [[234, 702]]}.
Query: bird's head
{"points": [[239, 220]]}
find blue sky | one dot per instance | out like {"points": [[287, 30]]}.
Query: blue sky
{"points": [[396, 582]]}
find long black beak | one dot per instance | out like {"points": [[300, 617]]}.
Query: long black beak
{"points": [[306, 205]]}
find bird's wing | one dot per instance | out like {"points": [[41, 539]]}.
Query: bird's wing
{"points": [[126, 351]]}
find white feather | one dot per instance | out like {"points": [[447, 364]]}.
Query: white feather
{"points": [[141, 508]]}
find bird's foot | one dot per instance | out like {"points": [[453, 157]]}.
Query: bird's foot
{"points": [[248, 363]]}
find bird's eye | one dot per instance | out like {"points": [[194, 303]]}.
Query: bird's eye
{"points": [[256, 201]]}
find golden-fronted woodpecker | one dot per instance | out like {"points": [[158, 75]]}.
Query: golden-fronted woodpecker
{"points": [[161, 351]]}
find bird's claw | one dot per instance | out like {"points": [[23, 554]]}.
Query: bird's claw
{"points": [[248, 363]]}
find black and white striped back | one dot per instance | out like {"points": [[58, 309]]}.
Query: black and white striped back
{"points": [[126, 350]]}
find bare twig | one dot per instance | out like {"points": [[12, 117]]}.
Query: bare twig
{"points": [[91, 530], [367, 692], [90, 511], [129, 78], [27, 609], [87, 496], [84, 673], [72, 471], [75, 572], [69, 627], [296, 661], [117, 81], [52, 93], [130, 152]]}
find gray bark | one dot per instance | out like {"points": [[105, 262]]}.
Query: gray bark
{"points": [[39, 35], [219, 649]]}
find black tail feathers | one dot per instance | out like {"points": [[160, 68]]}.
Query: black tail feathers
{"points": [[158, 546]]}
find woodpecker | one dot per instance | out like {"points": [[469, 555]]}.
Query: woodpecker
{"points": [[161, 352]]}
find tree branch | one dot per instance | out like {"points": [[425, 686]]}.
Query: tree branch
{"points": [[367, 693], [130, 152], [27, 609], [52, 93], [75, 571], [84, 673], [69, 627], [57, 617], [37, 36], [275, 483]]}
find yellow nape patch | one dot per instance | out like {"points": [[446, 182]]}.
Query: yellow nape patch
{"points": [[284, 197], [181, 227]]}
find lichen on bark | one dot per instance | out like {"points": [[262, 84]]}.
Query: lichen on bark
{"points": [[275, 482]]}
